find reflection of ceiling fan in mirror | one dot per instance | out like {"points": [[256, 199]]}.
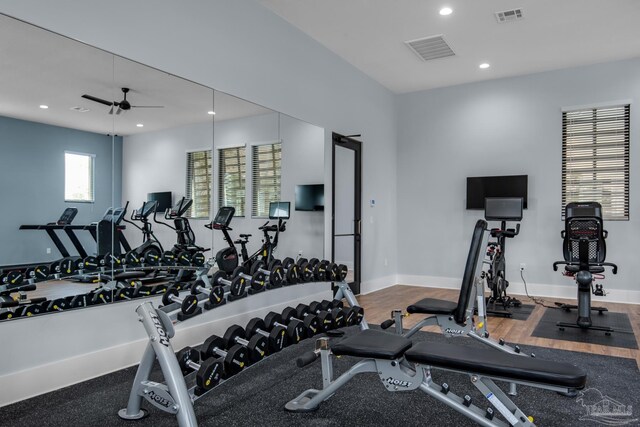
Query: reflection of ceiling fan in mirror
{"points": [[123, 105]]}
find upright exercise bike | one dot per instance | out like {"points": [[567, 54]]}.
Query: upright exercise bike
{"points": [[584, 251], [501, 209], [226, 258], [279, 211]]}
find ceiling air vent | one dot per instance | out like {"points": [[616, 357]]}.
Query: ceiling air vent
{"points": [[429, 48], [509, 15]]}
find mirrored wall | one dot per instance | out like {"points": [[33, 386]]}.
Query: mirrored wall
{"points": [[109, 166]]}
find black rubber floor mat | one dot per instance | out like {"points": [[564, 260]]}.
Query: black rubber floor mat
{"points": [[517, 313], [621, 337]]}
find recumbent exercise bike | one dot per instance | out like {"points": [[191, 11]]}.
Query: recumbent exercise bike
{"points": [[584, 253]]}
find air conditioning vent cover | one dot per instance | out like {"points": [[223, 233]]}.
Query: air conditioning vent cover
{"points": [[509, 15], [432, 47]]}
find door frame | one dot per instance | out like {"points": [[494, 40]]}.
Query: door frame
{"points": [[356, 146]]}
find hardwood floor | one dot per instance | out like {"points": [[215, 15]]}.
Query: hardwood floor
{"points": [[378, 306]]}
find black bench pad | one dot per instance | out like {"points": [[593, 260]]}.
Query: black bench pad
{"points": [[433, 306], [495, 363], [372, 343]]}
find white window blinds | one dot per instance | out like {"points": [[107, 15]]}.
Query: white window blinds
{"points": [[266, 165], [232, 173], [199, 183], [595, 159]]}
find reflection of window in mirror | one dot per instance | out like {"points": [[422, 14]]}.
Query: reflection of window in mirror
{"points": [[79, 177], [198, 186], [266, 162], [232, 174]]}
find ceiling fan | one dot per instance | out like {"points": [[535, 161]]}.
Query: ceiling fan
{"points": [[123, 105]]}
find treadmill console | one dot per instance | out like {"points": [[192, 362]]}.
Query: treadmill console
{"points": [[67, 216]]}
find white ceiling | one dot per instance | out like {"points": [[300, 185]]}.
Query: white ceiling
{"points": [[554, 34], [38, 67]]}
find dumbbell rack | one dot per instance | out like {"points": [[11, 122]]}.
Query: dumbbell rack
{"points": [[173, 396]]}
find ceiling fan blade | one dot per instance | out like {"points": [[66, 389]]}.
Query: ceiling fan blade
{"points": [[111, 110], [119, 111], [147, 106], [99, 100]]}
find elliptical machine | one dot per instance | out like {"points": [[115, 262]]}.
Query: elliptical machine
{"points": [[186, 238], [501, 209], [279, 211], [584, 251], [151, 249]]}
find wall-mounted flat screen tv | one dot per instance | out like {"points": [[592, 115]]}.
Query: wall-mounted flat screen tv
{"points": [[163, 199], [310, 197], [481, 187]]}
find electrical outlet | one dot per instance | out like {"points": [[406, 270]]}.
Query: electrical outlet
{"points": [[48, 250], [523, 266]]}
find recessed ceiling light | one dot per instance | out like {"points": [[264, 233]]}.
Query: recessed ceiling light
{"points": [[484, 65], [446, 11], [44, 107], [140, 125], [211, 113]]}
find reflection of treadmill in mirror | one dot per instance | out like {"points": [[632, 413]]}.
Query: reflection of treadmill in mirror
{"points": [[65, 220], [108, 231]]}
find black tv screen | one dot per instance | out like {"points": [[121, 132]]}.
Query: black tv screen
{"points": [[310, 197], [163, 199], [479, 188]]}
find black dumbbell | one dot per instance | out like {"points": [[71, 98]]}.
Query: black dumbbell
{"points": [[215, 295], [168, 258], [100, 296], [319, 268], [296, 331], [257, 345], [233, 360], [28, 310], [237, 285], [326, 319], [352, 315], [337, 272], [291, 271], [277, 338], [12, 278], [188, 304], [58, 304], [37, 273], [257, 282], [326, 310], [310, 321], [275, 273], [209, 372], [304, 270]]}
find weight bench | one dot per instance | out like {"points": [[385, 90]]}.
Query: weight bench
{"points": [[403, 366], [456, 319]]}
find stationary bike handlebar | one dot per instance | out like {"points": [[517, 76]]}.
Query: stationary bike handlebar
{"points": [[614, 267]]}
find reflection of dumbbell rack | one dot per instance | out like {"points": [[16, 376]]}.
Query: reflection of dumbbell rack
{"points": [[174, 396]]}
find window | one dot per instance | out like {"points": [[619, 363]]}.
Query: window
{"points": [[78, 177], [595, 159], [266, 163], [232, 174], [199, 183]]}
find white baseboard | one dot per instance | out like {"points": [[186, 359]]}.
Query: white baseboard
{"points": [[541, 290], [38, 378], [377, 284]]}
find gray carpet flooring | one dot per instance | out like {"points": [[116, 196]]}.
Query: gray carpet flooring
{"points": [[256, 397]]}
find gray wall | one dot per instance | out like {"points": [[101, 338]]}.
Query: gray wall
{"points": [[502, 127], [155, 161], [242, 48], [32, 185]]}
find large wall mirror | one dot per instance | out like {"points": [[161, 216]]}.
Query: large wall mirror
{"points": [[112, 173]]}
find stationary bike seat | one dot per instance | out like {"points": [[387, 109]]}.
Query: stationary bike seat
{"points": [[245, 235]]}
